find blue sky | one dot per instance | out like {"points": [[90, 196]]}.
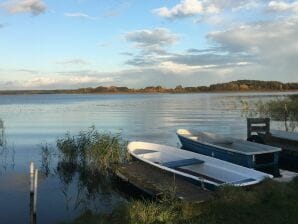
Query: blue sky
{"points": [[49, 44]]}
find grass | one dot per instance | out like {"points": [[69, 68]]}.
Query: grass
{"points": [[2, 134], [91, 148], [270, 202], [285, 110], [90, 152]]}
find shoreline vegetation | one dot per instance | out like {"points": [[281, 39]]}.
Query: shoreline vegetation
{"points": [[233, 86], [280, 109], [94, 152]]}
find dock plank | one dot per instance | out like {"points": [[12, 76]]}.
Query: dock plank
{"points": [[156, 181]]}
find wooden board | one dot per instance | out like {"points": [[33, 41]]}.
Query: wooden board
{"points": [[155, 182]]}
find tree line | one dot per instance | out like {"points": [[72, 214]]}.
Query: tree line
{"points": [[234, 86]]}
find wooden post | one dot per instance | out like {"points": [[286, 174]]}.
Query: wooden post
{"points": [[31, 178], [35, 191], [258, 125]]}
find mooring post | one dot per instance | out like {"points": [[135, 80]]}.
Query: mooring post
{"points": [[31, 178], [35, 191], [31, 205]]}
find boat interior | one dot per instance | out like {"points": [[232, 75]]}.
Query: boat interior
{"points": [[227, 142], [193, 166]]}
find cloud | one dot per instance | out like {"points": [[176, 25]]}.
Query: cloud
{"points": [[142, 60], [2, 25], [272, 45], [264, 49], [182, 69], [103, 44], [185, 8], [79, 15], [151, 44], [234, 5], [189, 8], [35, 7], [281, 6], [73, 62], [62, 82], [149, 38]]}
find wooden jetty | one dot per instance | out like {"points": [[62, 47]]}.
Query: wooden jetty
{"points": [[258, 130], [155, 182]]}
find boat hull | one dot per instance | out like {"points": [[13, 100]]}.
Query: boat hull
{"points": [[268, 164], [204, 171]]}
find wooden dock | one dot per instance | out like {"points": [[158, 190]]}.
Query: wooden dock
{"points": [[258, 129], [156, 182]]}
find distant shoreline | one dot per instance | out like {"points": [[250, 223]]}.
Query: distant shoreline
{"points": [[7, 93], [240, 86]]}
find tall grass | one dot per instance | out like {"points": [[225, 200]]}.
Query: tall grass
{"points": [[268, 203], [285, 110], [89, 158], [2, 134], [91, 148], [46, 159]]}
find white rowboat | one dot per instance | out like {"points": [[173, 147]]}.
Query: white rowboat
{"points": [[205, 170]]}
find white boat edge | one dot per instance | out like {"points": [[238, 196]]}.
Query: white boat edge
{"points": [[133, 145]]}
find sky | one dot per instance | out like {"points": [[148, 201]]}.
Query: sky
{"points": [[62, 44]]}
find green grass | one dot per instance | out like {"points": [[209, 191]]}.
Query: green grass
{"points": [[278, 109], [93, 149], [2, 134], [285, 110], [269, 202], [90, 153]]}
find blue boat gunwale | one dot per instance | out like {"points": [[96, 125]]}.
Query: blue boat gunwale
{"points": [[270, 149]]}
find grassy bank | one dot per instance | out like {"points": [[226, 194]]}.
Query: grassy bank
{"points": [[270, 202]]}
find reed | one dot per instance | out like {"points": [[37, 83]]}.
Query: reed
{"points": [[285, 110], [91, 148], [2, 134]]}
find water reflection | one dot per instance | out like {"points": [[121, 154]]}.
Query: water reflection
{"points": [[7, 155], [47, 154], [2, 134]]}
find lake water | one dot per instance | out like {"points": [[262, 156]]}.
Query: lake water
{"points": [[31, 121]]}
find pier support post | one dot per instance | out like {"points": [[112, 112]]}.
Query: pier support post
{"points": [[33, 193]]}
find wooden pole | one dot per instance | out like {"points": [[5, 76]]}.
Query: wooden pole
{"points": [[35, 191], [31, 178], [32, 196]]}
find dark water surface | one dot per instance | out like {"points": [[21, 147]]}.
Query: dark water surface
{"points": [[31, 121]]}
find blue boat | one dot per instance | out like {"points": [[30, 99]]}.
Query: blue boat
{"points": [[249, 154], [258, 130]]}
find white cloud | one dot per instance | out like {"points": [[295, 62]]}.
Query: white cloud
{"points": [[273, 46], [76, 61], [281, 6], [185, 8], [79, 15], [35, 7], [151, 39], [182, 69], [60, 82], [188, 8], [233, 5]]}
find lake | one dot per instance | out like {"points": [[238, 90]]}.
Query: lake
{"points": [[34, 121]]}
